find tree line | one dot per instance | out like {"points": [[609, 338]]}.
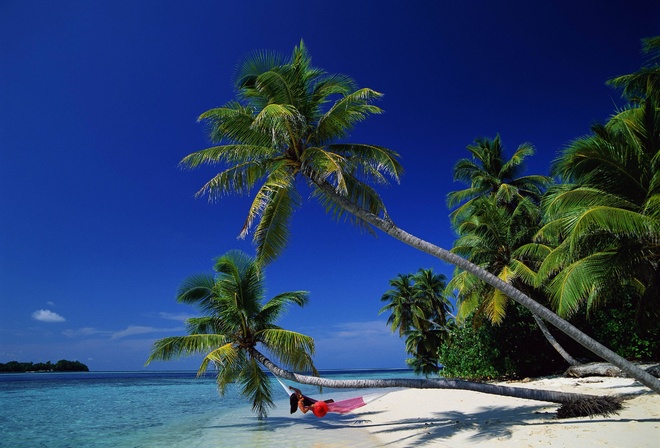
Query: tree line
{"points": [[62, 365]]}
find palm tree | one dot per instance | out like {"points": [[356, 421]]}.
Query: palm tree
{"points": [[604, 225], [488, 174], [283, 128], [497, 239], [418, 309], [404, 312], [234, 324]]}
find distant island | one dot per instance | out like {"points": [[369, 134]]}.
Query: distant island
{"points": [[60, 366]]}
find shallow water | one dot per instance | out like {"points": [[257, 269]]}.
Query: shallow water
{"points": [[163, 409]]}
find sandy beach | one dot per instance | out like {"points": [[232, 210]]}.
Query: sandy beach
{"points": [[457, 418]]}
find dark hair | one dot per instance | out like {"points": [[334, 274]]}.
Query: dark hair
{"points": [[293, 399]]}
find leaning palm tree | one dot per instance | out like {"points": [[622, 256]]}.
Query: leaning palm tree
{"points": [[284, 128], [237, 325], [572, 404], [236, 321]]}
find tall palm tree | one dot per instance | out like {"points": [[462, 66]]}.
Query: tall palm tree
{"points": [[495, 223], [235, 322], [284, 128]]}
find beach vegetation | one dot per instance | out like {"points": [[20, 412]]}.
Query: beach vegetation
{"points": [[285, 131], [236, 320]]}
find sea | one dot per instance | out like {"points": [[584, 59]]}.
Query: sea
{"points": [[173, 409]]}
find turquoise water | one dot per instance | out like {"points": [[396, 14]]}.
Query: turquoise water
{"points": [[163, 409]]}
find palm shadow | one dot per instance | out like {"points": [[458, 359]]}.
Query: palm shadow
{"points": [[483, 425]]}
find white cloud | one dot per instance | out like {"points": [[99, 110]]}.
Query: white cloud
{"points": [[181, 317], [132, 330], [47, 316], [86, 331], [358, 330]]}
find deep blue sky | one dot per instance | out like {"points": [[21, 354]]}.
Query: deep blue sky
{"points": [[99, 101]]}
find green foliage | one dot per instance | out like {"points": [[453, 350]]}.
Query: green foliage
{"points": [[617, 327], [602, 222], [516, 348], [60, 366], [469, 353]]}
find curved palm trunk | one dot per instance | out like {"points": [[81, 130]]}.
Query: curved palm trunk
{"points": [[572, 404], [590, 344], [551, 339]]}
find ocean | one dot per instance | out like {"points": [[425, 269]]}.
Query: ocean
{"points": [[153, 409]]}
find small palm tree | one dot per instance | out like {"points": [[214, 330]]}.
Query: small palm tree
{"points": [[285, 128], [235, 323], [418, 310]]}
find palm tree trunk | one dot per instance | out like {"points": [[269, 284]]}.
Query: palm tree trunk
{"points": [[590, 344], [551, 339], [572, 404]]}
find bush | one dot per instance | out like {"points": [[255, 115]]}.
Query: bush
{"points": [[514, 349]]}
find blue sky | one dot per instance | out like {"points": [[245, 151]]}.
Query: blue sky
{"points": [[99, 102]]}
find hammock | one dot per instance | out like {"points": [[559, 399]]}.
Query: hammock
{"points": [[342, 406]]}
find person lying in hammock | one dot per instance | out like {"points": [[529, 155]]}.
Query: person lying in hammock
{"points": [[303, 402]]}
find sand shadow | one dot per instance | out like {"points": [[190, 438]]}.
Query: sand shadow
{"points": [[483, 425]]}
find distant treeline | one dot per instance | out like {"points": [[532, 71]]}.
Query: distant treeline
{"points": [[60, 366]]}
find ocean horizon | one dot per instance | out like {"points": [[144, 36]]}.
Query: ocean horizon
{"points": [[167, 408]]}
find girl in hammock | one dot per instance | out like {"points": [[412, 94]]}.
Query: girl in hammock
{"points": [[303, 402]]}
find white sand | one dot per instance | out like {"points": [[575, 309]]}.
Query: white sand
{"points": [[458, 418]]}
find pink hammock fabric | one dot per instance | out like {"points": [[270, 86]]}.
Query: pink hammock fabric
{"points": [[342, 406], [346, 406]]}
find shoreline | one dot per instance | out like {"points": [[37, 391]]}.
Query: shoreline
{"points": [[459, 418]]}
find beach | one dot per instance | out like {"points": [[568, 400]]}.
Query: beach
{"points": [[176, 410], [458, 418]]}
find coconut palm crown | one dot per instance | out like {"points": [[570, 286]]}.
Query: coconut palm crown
{"points": [[284, 126], [235, 324]]}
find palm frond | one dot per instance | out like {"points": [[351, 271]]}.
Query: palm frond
{"points": [[256, 385], [176, 346], [272, 233], [278, 305], [345, 113]]}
